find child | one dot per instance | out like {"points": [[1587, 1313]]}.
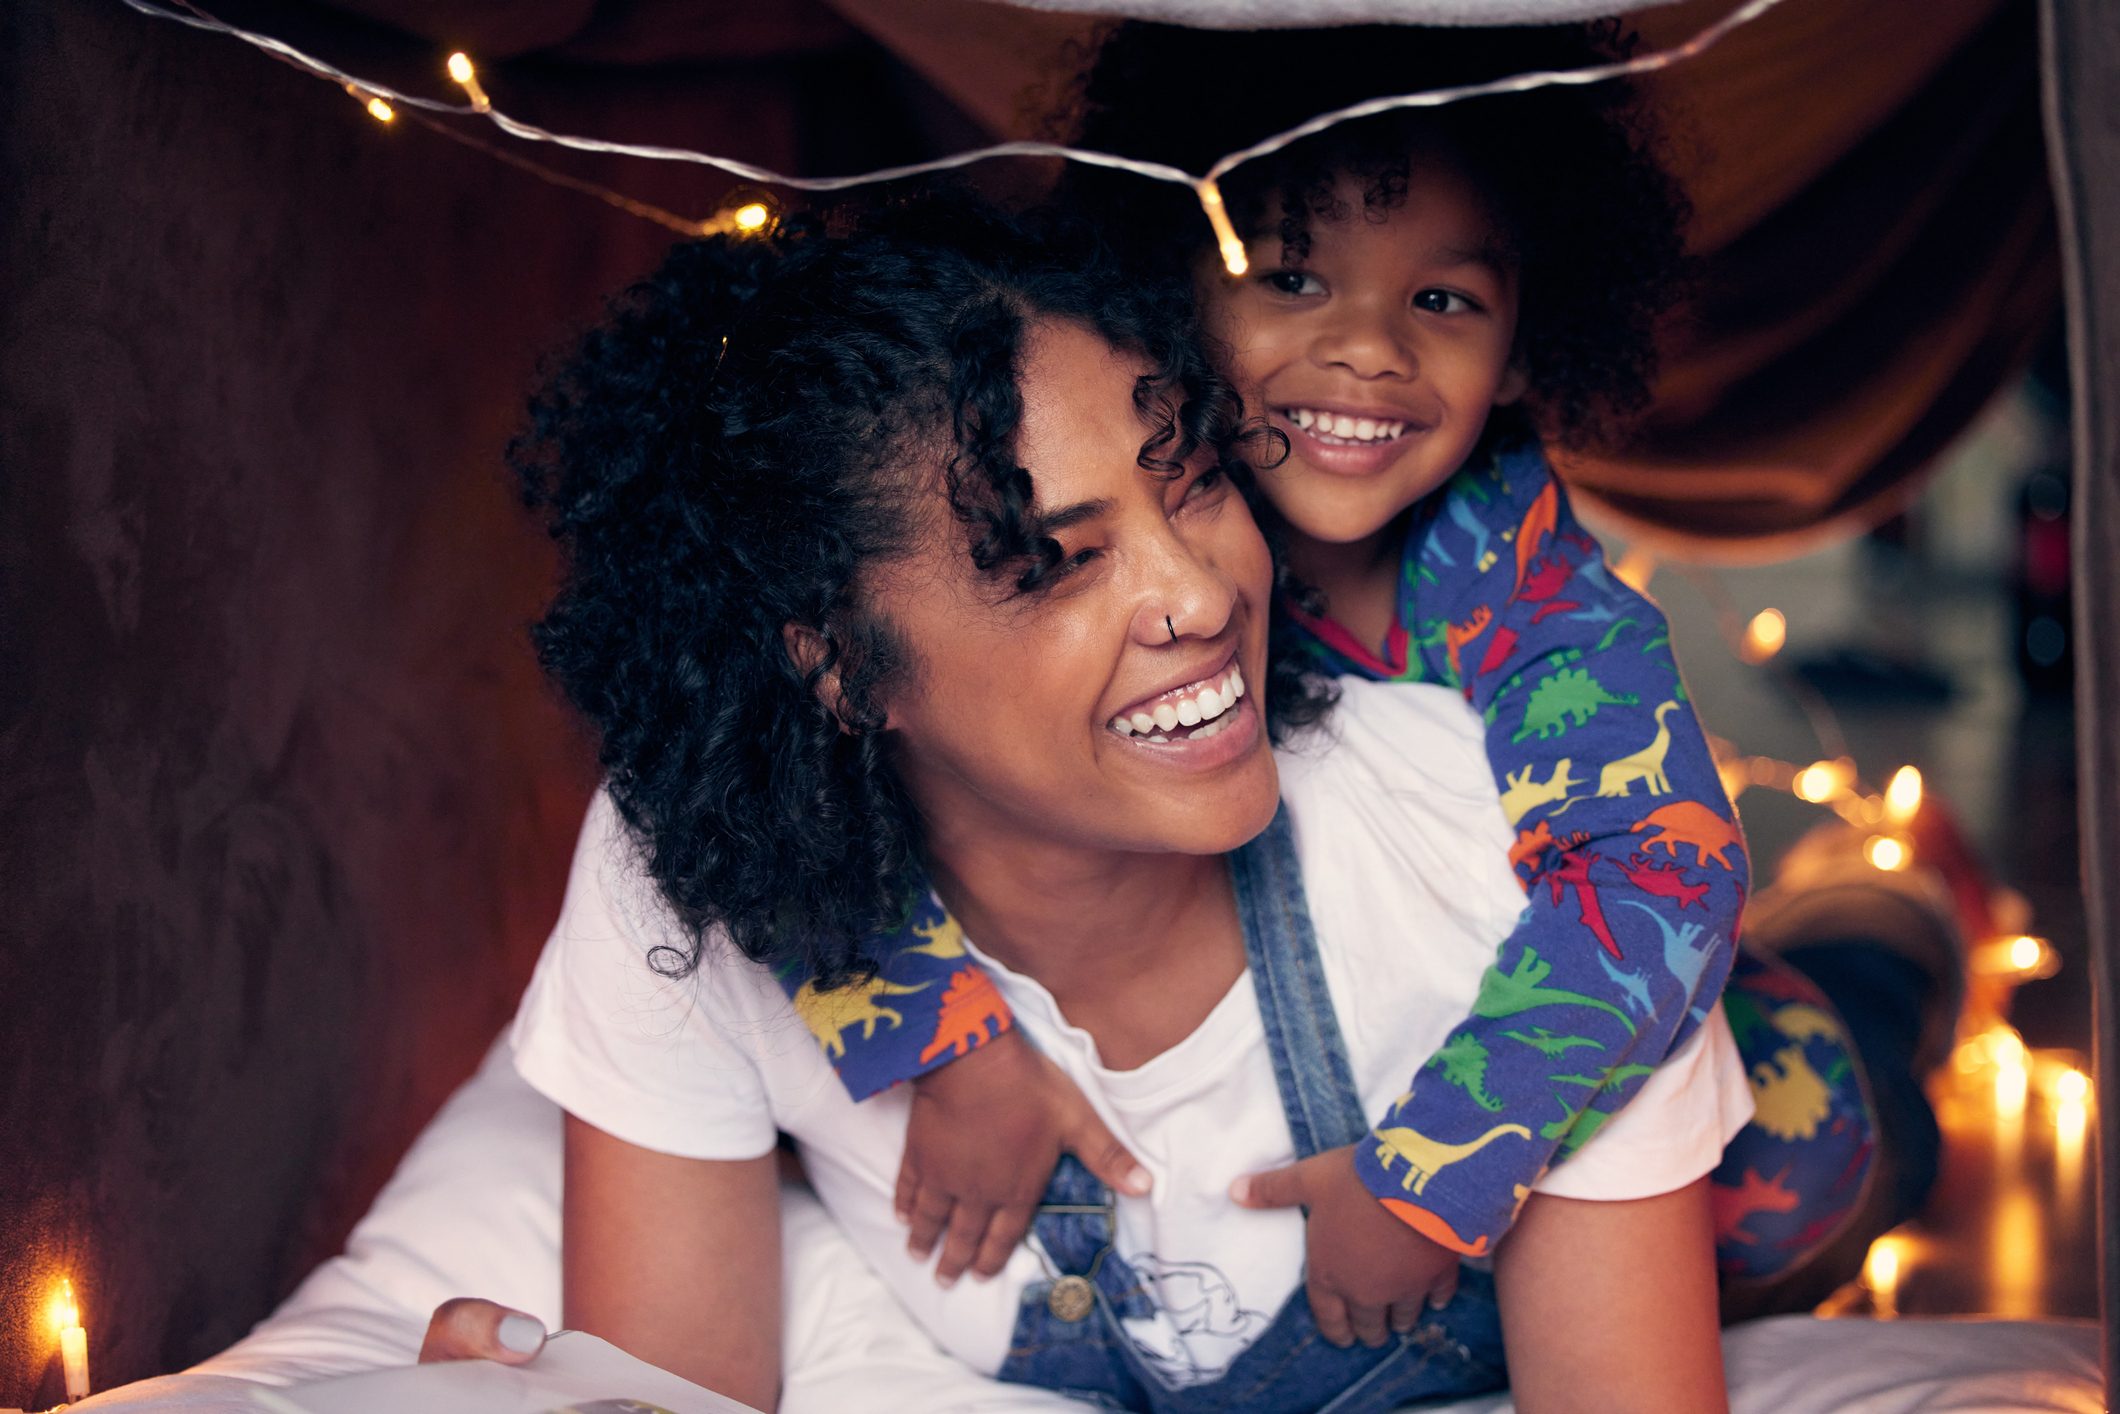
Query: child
{"points": [[1430, 293]]}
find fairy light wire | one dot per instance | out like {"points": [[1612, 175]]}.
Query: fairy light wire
{"points": [[1205, 187]]}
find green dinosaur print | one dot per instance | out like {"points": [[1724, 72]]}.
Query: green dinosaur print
{"points": [[1568, 697], [1463, 1061], [1612, 634], [1618, 1075], [1575, 1128], [1431, 634], [1748, 1023], [1548, 1044], [1502, 995], [1661, 640], [1558, 659]]}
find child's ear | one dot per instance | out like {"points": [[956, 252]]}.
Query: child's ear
{"points": [[807, 649], [1513, 385]]}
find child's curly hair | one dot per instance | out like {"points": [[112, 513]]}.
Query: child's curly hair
{"points": [[1592, 222], [749, 430]]}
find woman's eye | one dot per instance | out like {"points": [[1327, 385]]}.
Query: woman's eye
{"points": [[1292, 282], [1442, 302], [1080, 560], [1206, 485]]}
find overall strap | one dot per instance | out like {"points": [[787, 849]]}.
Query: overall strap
{"points": [[1302, 1031]]}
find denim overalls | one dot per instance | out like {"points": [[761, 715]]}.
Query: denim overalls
{"points": [[1069, 1336]]}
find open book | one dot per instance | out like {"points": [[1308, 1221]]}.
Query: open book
{"points": [[574, 1374]]}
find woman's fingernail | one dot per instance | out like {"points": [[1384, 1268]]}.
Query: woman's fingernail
{"points": [[944, 1282], [1240, 1190], [522, 1334], [1437, 1303], [1138, 1181]]}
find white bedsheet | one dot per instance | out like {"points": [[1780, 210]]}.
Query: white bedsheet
{"points": [[474, 1211]]}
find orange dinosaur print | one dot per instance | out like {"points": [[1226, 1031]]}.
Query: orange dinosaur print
{"points": [[1433, 1228], [1530, 844], [1539, 522], [1456, 636], [1686, 822], [1732, 1206], [969, 1003]]}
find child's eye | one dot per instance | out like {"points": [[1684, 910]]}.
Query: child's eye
{"points": [[1292, 282], [1442, 302]]}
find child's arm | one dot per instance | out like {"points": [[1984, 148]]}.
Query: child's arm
{"points": [[985, 1131], [1625, 840]]}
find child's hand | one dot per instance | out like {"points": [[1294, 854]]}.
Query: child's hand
{"points": [[985, 1133], [1368, 1273]]}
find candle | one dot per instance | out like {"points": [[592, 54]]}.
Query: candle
{"points": [[73, 1343]]}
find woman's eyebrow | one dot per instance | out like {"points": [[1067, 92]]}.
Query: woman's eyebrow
{"points": [[1065, 517]]}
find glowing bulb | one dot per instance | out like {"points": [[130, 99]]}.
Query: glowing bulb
{"points": [[2072, 1087], [1886, 853], [752, 216], [1902, 798], [380, 110], [1882, 1270], [1822, 781], [1764, 636], [2013, 1084], [1233, 256], [460, 70], [2025, 952]]}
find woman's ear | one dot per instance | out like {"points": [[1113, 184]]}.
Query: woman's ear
{"points": [[808, 649]]}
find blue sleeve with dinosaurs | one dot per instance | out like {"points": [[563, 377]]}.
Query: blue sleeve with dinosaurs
{"points": [[1626, 844]]}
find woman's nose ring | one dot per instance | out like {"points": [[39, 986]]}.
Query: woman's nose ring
{"points": [[1173, 632]]}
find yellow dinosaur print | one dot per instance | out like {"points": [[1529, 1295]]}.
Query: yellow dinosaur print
{"points": [[1645, 765], [830, 1014], [1426, 1157], [1801, 1021], [1789, 1098], [945, 938], [1524, 793]]}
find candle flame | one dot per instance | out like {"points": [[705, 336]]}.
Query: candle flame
{"points": [[65, 1311], [1902, 798]]}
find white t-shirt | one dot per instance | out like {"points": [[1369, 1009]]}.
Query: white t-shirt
{"points": [[1404, 857]]}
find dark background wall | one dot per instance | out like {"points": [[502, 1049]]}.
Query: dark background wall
{"points": [[286, 806]]}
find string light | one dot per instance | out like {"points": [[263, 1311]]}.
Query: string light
{"points": [[1764, 636], [1888, 853], [752, 216], [1204, 186], [460, 69], [1822, 781], [1902, 798], [380, 110]]}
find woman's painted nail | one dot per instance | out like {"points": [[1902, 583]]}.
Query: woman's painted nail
{"points": [[522, 1334], [1240, 1190]]}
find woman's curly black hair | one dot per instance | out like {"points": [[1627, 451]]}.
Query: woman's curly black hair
{"points": [[1592, 222], [748, 431]]}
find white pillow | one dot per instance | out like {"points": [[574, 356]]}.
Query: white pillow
{"points": [[473, 1210]]}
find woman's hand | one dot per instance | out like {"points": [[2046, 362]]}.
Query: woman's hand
{"points": [[986, 1131], [470, 1329], [1367, 1273]]}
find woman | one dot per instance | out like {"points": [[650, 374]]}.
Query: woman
{"points": [[878, 545]]}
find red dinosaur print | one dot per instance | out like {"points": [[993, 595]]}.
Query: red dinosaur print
{"points": [[1573, 871], [1456, 636], [1686, 822], [1433, 1228], [1734, 1206], [970, 1002], [1662, 880], [1549, 575], [1539, 522], [1499, 648]]}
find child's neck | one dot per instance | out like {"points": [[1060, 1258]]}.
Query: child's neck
{"points": [[1359, 579]]}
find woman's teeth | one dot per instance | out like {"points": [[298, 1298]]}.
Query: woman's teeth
{"points": [[1338, 427], [1199, 708]]}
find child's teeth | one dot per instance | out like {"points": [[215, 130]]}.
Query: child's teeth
{"points": [[1365, 429], [1304, 418]]}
